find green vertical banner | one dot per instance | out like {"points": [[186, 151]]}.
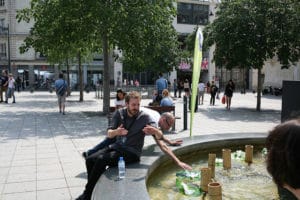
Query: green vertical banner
{"points": [[196, 74]]}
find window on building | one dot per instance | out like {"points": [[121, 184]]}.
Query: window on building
{"points": [[2, 50], [195, 14], [2, 2]]}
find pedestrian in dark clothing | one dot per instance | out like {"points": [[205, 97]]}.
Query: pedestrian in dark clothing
{"points": [[18, 83], [180, 87], [208, 87], [175, 87], [213, 92], [4, 85], [228, 93]]}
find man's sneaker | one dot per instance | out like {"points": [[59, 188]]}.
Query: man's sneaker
{"points": [[13, 102]]}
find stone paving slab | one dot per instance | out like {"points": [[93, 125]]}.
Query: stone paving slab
{"points": [[40, 149]]}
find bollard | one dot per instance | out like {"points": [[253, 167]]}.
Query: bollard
{"points": [[184, 112], [226, 155], [215, 191], [212, 163], [205, 178], [248, 153]]}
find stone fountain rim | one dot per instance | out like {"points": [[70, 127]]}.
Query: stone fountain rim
{"points": [[134, 185]]}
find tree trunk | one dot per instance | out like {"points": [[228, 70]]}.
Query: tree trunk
{"points": [[80, 77], [106, 76], [259, 84]]}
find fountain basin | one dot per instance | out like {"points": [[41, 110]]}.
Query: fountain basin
{"points": [[134, 185]]}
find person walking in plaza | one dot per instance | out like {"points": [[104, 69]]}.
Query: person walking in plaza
{"points": [[18, 83], [61, 89], [186, 87], [128, 130], [166, 99], [228, 93], [4, 84], [213, 92], [283, 158], [175, 87], [161, 84], [11, 89], [208, 87], [180, 87], [201, 91]]}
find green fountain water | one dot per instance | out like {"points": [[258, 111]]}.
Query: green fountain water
{"points": [[242, 181]]}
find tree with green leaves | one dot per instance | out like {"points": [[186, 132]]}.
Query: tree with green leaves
{"points": [[59, 32], [142, 29], [246, 33]]}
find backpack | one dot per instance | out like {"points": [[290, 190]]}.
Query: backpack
{"points": [[62, 89]]}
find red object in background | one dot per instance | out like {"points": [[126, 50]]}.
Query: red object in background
{"points": [[223, 99]]}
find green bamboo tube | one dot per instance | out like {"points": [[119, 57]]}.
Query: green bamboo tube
{"points": [[212, 163], [205, 178], [215, 191], [248, 153], [226, 155]]}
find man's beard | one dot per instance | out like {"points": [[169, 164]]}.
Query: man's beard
{"points": [[133, 112]]}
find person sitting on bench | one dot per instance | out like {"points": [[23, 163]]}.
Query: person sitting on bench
{"points": [[164, 122]]}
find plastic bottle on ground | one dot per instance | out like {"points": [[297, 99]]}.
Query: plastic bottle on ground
{"points": [[121, 166]]}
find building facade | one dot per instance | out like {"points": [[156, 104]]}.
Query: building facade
{"points": [[34, 69]]}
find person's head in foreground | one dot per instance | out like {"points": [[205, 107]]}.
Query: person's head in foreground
{"points": [[283, 158]]}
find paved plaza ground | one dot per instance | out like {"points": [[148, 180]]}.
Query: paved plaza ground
{"points": [[40, 149]]}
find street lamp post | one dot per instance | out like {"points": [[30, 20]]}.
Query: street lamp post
{"points": [[8, 45], [8, 51]]}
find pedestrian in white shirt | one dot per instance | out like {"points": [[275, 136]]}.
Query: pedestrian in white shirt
{"points": [[201, 91], [11, 89]]}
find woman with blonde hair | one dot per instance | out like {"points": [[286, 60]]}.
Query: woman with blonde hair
{"points": [[166, 100]]}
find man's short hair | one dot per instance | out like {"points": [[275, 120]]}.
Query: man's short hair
{"points": [[61, 75], [283, 158], [132, 95]]}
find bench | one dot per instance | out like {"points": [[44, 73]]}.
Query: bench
{"points": [[159, 109]]}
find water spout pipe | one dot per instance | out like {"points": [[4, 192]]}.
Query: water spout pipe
{"points": [[226, 155], [205, 178], [212, 163], [215, 191], [248, 153]]}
